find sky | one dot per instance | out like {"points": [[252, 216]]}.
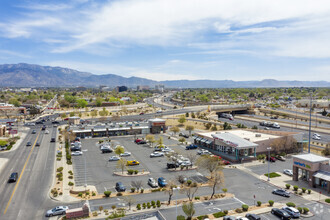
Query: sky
{"points": [[171, 39]]}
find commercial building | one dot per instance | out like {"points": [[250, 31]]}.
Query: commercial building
{"points": [[121, 88], [141, 88], [119, 128], [239, 145], [313, 169], [2, 130]]}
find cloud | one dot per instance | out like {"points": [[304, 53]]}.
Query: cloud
{"points": [[162, 76]]}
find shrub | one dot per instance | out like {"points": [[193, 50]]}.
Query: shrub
{"points": [[70, 177], [225, 211], [119, 194], [130, 172], [80, 194], [290, 204], [93, 194], [303, 189], [70, 183], [202, 217], [136, 171], [138, 206], [271, 202], [94, 213], [197, 198], [287, 186], [70, 172], [300, 209], [295, 188], [141, 190], [156, 190], [180, 217], [272, 175], [219, 214], [327, 200], [59, 169], [144, 205], [306, 210], [245, 208], [132, 189], [258, 203], [87, 193], [148, 205], [309, 191], [158, 203], [153, 203], [107, 193], [224, 190], [238, 210], [189, 182]]}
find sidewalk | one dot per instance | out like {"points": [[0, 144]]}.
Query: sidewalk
{"points": [[23, 131]]}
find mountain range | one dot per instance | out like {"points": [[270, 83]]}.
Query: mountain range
{"points": [[31, 75]]}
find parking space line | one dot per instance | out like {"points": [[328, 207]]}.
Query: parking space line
{"points": [[239, 200], [263, 216]]}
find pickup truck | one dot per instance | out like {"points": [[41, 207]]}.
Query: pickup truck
{"points": [[192, 146]]}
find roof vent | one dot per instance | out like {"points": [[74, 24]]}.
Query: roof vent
{"points": [[248, 139], [258, 135]]}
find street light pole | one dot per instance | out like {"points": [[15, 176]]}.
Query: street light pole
{"points": [[268, 148], [176, 202], [310, 125]]}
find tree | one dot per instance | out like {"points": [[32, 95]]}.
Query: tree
{"points": [[175, 129], [190, 190], [208, 163], [255, 127], [324, 112], [121, 164], [14, 102], [217, 181], [98, 101], [104, 112], [182, 140], [192, 157], [226, 126], [160, 141], [190, 128], [182, 119], [81, 103], [188, 209], [119, 150], [137, 184], [63, 115], [94, 113], [169, 189], [151, 139], [129, 200], [326, 151]]}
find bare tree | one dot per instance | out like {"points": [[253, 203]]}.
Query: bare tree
{"points": [[119, 150], [175, 129], [122, 164], [189, 210], [151, 139], [129, 200], [192, 157], [216, 181], [208, 163], [190, 128], [137, 184], [169, 189], [190, 190]]}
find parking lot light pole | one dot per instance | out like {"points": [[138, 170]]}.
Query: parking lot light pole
{"points": [[268, 148], [176, 201]]}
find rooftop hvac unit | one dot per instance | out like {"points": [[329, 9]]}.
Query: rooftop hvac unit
{"points": [[248, 139], [258, 135]]}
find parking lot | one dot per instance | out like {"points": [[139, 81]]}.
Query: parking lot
{"points": [[94, 168]]}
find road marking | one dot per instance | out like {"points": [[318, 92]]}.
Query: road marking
{"points": [[239, 200], [20, 176], [265, 217], [105, 189]]}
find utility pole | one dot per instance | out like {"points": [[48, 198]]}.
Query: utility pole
{"points": [[310, 124], [268, 148]]}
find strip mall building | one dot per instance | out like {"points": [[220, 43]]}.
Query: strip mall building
{"points": [[313, 169]]}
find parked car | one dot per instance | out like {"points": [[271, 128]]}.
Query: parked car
{"points": [[228, 217], [172, 165], [183, 135], [251, 216], [106, 150], [316, 137], [281, 192], [28, 144], [159, 111], [182, 179], [225, 162], [185, 163], [137, 140], [132, 163], [274, 117], [279, 157], [294, 213], [126, 154], [288, 172], [34, 132], [166, 149], [76, 153], [191, 147], [120, 187], [203, 152], [281, 213], [59, 210], [241, 218], [114, 158], [157, 154], [162, 182], [46, 132], [142, 113], [270, 159], [142, 142], [152, 183], [13, 177]]}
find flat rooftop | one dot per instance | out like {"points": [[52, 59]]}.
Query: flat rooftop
{"points": [[248, 135], [311, 158]]}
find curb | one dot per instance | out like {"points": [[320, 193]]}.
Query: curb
{"points": [[127, 175]]}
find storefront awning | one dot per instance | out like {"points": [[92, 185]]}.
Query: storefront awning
{"points": [[198, 139], [209, 142], [322, 175], [195, 137], [203, 140]]}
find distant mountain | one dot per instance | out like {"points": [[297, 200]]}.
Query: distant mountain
{"points": [[30, 75]]}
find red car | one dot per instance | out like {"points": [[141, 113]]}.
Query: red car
{"points": [[138, 140], [142, 113], [66, 119], [226, 162], [271, 159]]}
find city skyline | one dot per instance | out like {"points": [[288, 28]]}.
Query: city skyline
{"points": [[170, 40]]}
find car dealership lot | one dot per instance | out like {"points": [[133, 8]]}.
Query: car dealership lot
{"points": [[94, 168]]}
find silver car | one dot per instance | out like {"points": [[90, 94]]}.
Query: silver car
{"points": [[59, 210], [152, 182], [292, 211], [126, 154], [288, 172]]}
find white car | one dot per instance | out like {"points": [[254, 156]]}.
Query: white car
{"points": [[46, 132], [159, 111], [288, 172], [203, 152], [316, 134], [126, 154], [166, 149], [152, 182], [185, 163], [59, 210], [315, 137], [241, 218], [114, 158], [76, 153], [157, 154]]}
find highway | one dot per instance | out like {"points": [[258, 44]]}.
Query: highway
{"points": [[26, 198]]}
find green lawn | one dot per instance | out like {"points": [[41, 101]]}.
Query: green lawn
{"points": [[272, 175]]}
